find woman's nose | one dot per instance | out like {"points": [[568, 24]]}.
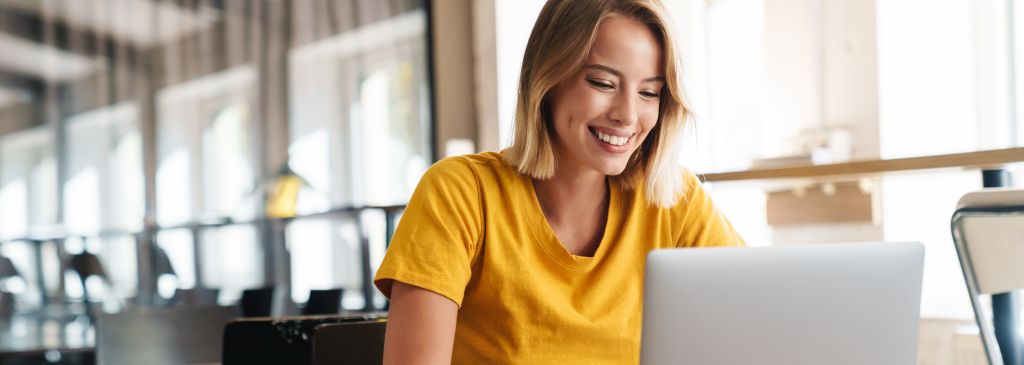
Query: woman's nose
{"points": [[624, 109]]}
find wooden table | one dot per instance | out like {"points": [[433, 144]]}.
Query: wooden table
{"points": [[983, 160]]}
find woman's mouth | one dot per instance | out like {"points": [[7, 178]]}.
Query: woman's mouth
{"points": [[610, 142]]}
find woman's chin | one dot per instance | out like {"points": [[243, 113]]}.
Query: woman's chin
{"points": [[612, 169]]}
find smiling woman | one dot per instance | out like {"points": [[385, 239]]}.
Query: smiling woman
{"points": [[535, 254]]}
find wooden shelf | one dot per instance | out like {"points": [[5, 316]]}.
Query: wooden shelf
{"points": [[978, 160]]}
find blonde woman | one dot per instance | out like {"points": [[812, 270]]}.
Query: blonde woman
{"points": [[536, 254]]}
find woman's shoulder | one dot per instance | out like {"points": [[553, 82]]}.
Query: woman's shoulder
{"points": [[482, 168]]}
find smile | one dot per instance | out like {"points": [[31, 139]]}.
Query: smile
{"points": [[611, 139]]}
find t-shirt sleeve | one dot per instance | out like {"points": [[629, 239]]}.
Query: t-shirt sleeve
{"points": [[703, 225], [439, 233]]}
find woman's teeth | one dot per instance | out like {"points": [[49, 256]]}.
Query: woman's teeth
{"points": [[612, 140]]}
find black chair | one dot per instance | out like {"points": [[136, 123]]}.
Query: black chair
{"points": [[86, 264], [257, 302], [349, 343], [7, 270], [195, 297], [279, 340], [323, 301], [162, 337]]}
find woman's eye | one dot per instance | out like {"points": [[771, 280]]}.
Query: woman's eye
{"points": [[600, 84], [650, 94]]}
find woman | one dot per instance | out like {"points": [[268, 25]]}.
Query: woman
{"points": [[536, 254]]}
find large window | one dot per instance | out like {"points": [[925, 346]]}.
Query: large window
{"points": [[360, 135], [28, 204], [206, 160], [772, 81], [103, 194], [226, 111], [360, 112], [206, 174]]}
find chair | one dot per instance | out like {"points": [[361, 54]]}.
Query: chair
{"points": [[257, 302], [195, 297], [279, 340], [162, 337], [325, 301], [7, 270], [988, 231], [349, 343], [86, 264]]}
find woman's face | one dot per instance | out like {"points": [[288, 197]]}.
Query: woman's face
{"points": [[603, 113]]}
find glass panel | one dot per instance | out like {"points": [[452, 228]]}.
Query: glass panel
{"points": [[950, 57], [232, 260], [325, 255], [82, 201], [227, 171], [174, 193], [359, 112], [127, 183], [119, 254], [23, 255], [27, 183], [13, 205], [104, 190], [180, 249], [206, 167], [390, 147]]}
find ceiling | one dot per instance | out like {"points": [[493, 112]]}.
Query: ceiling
{"points": [[47, 41]]}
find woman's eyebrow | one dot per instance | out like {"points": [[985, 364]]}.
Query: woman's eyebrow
{"points": [[619, 74]]}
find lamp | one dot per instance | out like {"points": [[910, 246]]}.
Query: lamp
{"points": [[282, 200]]}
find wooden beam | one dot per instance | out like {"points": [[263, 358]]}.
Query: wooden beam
{"points": [[23, 116], [31, 27]]}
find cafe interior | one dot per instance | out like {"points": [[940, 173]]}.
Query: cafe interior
{"points": [[216, 181]]}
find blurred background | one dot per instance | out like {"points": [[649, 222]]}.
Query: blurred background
{"points": [[158, 153]]}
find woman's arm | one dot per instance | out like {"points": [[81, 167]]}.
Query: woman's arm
{"points": [[421, 326]]}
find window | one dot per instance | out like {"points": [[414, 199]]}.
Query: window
{"points": [[206, 173], [360, 135], [103, 196], [28, 204], [834, 81], [369, 102], [205, 156]]}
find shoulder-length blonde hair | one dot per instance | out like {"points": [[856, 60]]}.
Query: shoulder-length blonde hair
{"points": [[558, 48]]}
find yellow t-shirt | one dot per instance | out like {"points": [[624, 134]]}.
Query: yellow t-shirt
{"points": [[474, 232]]}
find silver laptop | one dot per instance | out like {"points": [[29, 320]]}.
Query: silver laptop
{"points": [[811, 304]]}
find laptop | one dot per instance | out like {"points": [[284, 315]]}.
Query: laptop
{"points": [[811, 304]]}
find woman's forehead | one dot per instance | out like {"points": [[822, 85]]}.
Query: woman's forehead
{"points": [[626, 45]]}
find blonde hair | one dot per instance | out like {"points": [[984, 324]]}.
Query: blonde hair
{"points": [[558, 48]]}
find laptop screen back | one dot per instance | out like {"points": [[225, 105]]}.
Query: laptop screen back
{"points": [[810, 304]]}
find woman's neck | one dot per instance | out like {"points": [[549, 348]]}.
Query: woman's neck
{"points": [[571, 194]]}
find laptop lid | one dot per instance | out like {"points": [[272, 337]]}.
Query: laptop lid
{"points": [[810, 304]]}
